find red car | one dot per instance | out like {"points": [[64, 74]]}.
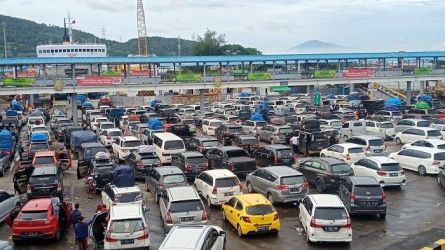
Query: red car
{"points": [[38, 219], [105, 100]]}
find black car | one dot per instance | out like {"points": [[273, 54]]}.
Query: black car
{"points": [[142, 162], [180, 130], [45, 182], [247, 142], [323, 172], [362, 195], [226, 132], [191, 163], [58, 130], [232, 158], [67, 134], [88, 151], [102, 171], [201, 144], [274, 155]]}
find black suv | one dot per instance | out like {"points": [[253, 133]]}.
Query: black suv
{"points": [[232, 158], [201, 144], [247, 142], [226, 132], [274, 155], [362, 195], [324, 172], [45, 182], [102, 171], [191, 163], [142, 162]]}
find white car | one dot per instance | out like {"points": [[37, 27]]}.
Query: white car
{"points": [[190, 123], [124, 145], [112, 195], [421, 159], [108, 136], [385, 170], [195, 237], [96, 121], [414, 134], [348, 152], [217, 186], [104, 125], [210, 125], [127, 228], [372, 145], [427, 143], [392, 115], [384, 128], [411, 123], [325, 218], [439, 127]]}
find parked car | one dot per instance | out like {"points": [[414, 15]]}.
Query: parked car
{"points": [[372, 145], [420, 159], [67, 134], [112, 195], [385, 170], [252, 127], [217, 186], [274, 155], [45, 182], [413, 134], [201, 144], [88, 151], [427, 143], [142, 161], [411, 123], [210, 125], [107, 136], [192, 163], [251, 214], [195, 238], [278, 184], [127, 228], [362, 195], [181, 206], [147, 135], [158, 179], [325, 219], [348, 152], [274, 134], [125, 145], [225, 133], [391, 115], [79, 137], [386, 129], [323, 172], [233, 158], [8, 202]]}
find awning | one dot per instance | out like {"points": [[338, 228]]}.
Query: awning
{"points": [[281, 89]]}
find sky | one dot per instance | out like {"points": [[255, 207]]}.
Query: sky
{"points": [[272, 26]]}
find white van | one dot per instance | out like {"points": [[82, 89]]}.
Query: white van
{"points": [[167, 144]]}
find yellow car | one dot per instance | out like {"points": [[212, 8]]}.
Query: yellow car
{"points": [[251, 214]]}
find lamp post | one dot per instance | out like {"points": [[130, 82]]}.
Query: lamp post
{"points": [[4, 39]]}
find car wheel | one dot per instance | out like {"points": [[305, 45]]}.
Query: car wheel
{"points": [[224, 218], [422, 170], [308, 240], [57, 236], [249, 187], [2, 172], [157, 198], [322, 155], [270, 198], [239, 231], [438, 180], [209, 202], [398, 141], [319, 185], [382, 216]]}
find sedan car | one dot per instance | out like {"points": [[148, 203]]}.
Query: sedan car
{"points": [[348, 152], [8, 202]]}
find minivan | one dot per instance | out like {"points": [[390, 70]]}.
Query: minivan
{"points": [[167, 144]]}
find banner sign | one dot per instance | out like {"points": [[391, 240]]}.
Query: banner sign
{"points": [[18, 82], [139, 73], [99, 80], [422, 71], [358, 73], [324, 74], [21, 74]]}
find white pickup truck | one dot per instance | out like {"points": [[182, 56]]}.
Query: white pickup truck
{"points": [[125, 145]]}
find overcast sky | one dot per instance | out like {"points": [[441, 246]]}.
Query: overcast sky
{"points": [[272, 26]]}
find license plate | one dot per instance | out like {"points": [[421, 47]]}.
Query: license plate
{"points": [[187, 219], [378, 150], [392, 175], [331, 228], [294, 190], [369, 203], [128, 241], [32, 233], [263, 228], [228, 194]]}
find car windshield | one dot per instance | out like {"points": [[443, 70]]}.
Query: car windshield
{"points": [[226, 182], [128, 197], [44, 160], [439, 156], [340, 168], [292, 180], [387, 125], [251, 142], [115, 133], [261, 124], [196, 160], [330, 213], [151, 160], [237, 153], [235, 129], [395, 113], [433, 133], [33, 215], [103, 169], [391, 167], [262, 209], [376, 142], [336, 123], [284, 153], [285, 130], [42, 179], [106, 126], [64, 122], [214, 143], [355, 150], [215, 124], [174, 178], [186, 206], [423, 124], [174, 145], [126, 226], [188, 122], [38, 146], [368, 190], [132, 144]]}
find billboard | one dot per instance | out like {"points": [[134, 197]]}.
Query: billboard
{"points": [[358, 73], [99, 80], [324, 74]]}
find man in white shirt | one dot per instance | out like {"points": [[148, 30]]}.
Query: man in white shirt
{"points": [[295, 142]]}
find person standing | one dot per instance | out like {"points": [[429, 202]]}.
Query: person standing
{"points": [[75, 215], [295, 141], [81, 232]]}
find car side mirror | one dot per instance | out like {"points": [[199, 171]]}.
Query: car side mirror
{"points": [[222, 233]]}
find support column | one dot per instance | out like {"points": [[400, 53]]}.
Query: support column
{"points": [[242, 67], [204, 72], [250, 67], [125, 70], [99, 69], [311, 91], [285, 67], [74, 108], [228, 72], [422, 87], [201, 101], [408, 93], [91, 70], [318, 66], [339, 67], [31, 100], [366, 63], [273, 70], [220, 69], [327, 64], [384, 64], [44, 72], [298, 66], [351, 87]]}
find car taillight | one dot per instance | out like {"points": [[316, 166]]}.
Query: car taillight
{"points": [[282, 187], [348, 157], [188, 167], [240, 186], [28, 189], [227, 134], [169, 217], [246, 219], [108, 137], [215, 190], [160, 186], [402, 172], [275, 217], [139, 165], [305, 185], [313, 224], [348, 223], [206, 166], [275, 159], [295, 158], [436, 163], [384, 197], [204, 215], [232, 166], [47, 222], [352, 197], [381, 173], [144, 236], [108, 237]]}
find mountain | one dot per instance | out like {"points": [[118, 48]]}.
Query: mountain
{"points": [[317, 46], [23, 36]]}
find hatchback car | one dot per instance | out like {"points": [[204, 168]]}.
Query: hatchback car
{"points": [[274, 134], [348, 152], [420, 159], [108, 136], [142, 160], [201, 144], [372, 145], [158, 179], [45, 182], [195, 237], [427, 143], [112, 195], [274, 155], [385, 170], [325, 219], [251, 214], [278, 184], [413, 134], [192, 163], [217, 186], [181, 206]]}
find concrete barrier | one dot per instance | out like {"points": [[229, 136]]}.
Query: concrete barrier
{"points": [[438, 245]]}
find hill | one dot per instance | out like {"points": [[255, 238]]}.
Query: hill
{"points": [[317, 46], [23, 36]]}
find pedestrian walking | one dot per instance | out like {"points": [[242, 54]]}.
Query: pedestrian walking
{"points": [[75, 214], [295, 141], [81, 232]]}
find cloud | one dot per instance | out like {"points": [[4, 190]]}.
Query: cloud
{"points": [[110, 5]]}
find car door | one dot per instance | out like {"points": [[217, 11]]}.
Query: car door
{"points": [[405, 157], [359, 167], [306, 212], [163, 205], [255, 178], [230, 207], [211, 156], [200, 181], [106, 192], [151, 181], [5, 206]]}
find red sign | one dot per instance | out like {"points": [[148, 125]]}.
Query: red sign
{"points": [[139, 73], [99, 80], [358, 73], [21, 74]]}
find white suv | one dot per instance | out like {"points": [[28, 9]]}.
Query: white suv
{"points": [[108, 135], [348, 152], [217, 186], [127, 228], [427, 143], [125, 145], [195, 237], [413, 134], [420, 159], [210, 125], [385, 170], [325, 218], [372, 145], [112, 195]]}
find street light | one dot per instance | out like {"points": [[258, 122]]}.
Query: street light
{"points": [[4, 39]]}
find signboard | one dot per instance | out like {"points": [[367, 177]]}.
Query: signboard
{"points": [[324, 74], [422, 71], [280, 89], [21, 74], [18, 82], [317, 98], [217, 82], [259, 76], [58, 85], [99, 80], [139, 73], [358, 73]]}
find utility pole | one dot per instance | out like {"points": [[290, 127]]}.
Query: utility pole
{"points": [[179, 46], [4, 39]]}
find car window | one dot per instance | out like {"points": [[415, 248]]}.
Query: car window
{"points": [[439, 156], [231, 202], [330, 213], [368, 190], [423, 124], [173, 178], [355, 150], [226, 182], [376, 142], [370, 124], [33, 215], [127, 197], [126, 225], [261, 209], [4, 196], [186, 206], [435, 133], [308, 205], [292, 180], [45, 160], [391, 167], [316, 165], [420, 154], [340, 168], [239, 206]]}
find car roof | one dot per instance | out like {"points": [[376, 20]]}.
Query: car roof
{"points": [[46, 170], [253, 199], [205, 138], [282, 170], [349, 145], [165, 170], [91, 144], [367, 137], [277, 146], [126, 211], [218, 173], [433, 141], [328, 160], [107, 122], [426, 150], [191, 153], [131, 189], [44, 153], [130, 138], [245, 137], [37, 204], [326, 200], [363, 180], [381, 159], [112, 129], [415, 120], [184, 237], [183, 193], [167, 136], [229, 148]]}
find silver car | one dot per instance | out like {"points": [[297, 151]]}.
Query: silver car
{"points": [[181, 206], [158, 179], [274, 134], [278, 184], [372, 145], [7, 203]]}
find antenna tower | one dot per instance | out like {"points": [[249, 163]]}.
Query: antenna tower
{"points": [[142, 30]]}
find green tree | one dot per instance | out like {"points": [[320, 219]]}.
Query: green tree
{"points": [[209, 44], [236, 49]]}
